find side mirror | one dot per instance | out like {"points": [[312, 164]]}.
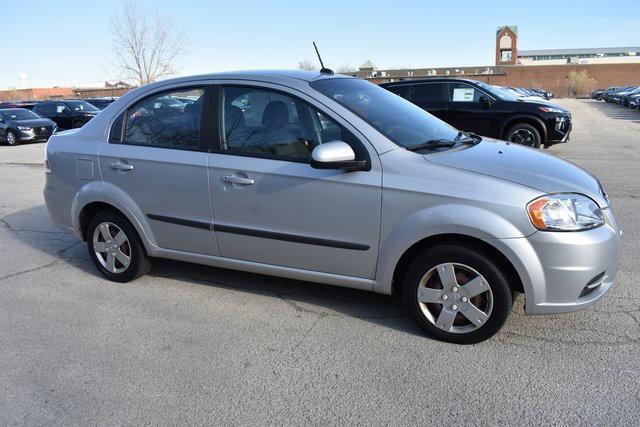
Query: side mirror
{"points": [[485, 102], [336, 155]]}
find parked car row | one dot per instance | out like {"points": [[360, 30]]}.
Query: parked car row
{"points": [[627, 96], [25, 121], [494, 111]]}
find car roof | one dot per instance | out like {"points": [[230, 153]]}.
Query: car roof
{"points": [[13, 109], [303, 75], [429, 79]]}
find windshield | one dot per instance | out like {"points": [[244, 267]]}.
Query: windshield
{"points": [[19, 114], [81, 106], [398, 119], [501, 92]]}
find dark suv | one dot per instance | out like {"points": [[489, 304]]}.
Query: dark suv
{"points": [[68, 114], [488, 110]]}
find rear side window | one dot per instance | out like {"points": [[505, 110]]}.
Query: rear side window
{"points": [[166, 120], [400, 90], [44, 108], [427, 92]]}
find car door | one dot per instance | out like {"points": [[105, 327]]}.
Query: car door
{"points": [[472, 110], [270, 206], [431, 97], [157, 156]]}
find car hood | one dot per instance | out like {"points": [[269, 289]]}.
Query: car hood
{"points": [[34, 122], [522, 165], [542, 102]]}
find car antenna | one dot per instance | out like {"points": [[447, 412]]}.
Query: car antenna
{"points": [[322, 69]]}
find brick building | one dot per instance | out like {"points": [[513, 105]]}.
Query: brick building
{"points": [[547, 69], [86, 91]]}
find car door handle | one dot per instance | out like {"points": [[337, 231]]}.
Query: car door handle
{"points": [[121, 166], [237, 180]]}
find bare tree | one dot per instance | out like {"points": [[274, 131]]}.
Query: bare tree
{"points": [[346, 69], [307, 65], [146, 47]]}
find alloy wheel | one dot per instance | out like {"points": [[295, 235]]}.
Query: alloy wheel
{"points": [[11, 138], [524, 137], [455, 298], [111, 247]]}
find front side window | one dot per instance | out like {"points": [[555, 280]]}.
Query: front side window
{"points": [[167, 120], [462, 92], [266, 123], [81, 106], [401, 121], [62, 109]]}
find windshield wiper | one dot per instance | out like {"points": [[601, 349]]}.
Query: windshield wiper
{"points": [[461, 138], [432, 143]]}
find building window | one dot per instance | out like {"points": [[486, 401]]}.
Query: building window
{"points": [[505, 55]]}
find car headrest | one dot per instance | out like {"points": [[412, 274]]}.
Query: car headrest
{"points": [[275, 114]]}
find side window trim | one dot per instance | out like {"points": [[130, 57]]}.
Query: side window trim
{"points": [[205, 143], [218, 141]]}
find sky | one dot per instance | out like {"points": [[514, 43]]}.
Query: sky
{"points": [[66, 43]]}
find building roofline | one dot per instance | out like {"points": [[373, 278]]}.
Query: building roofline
{"points": [[578, 51]]}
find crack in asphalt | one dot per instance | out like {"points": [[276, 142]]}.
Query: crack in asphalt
{"points": [[26, 164], [15, 230], [60, 253]]}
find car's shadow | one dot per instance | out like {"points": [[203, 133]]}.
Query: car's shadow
{"points": [[33, 227], [618, 112]]}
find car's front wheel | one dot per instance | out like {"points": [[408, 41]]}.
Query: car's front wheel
{"points": [[457, 294], [115, 247], [524, 134], [11, 138]]}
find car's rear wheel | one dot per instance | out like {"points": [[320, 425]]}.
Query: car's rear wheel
{"points": [[456, 294], [11, 138], [524, 134], [115, 247]]}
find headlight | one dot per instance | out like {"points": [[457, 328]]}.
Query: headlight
{"points": [[564, 212], [551, 110], [24, 128]]}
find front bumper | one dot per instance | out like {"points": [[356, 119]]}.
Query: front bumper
{"points": [[567, 271], [35, 134]]}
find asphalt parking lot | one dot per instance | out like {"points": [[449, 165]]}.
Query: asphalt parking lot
{"points": [[196, 345]]}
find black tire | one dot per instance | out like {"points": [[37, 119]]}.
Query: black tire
{"points": [[500, 291], [513, 135], [11, 138], [139, 263]]}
